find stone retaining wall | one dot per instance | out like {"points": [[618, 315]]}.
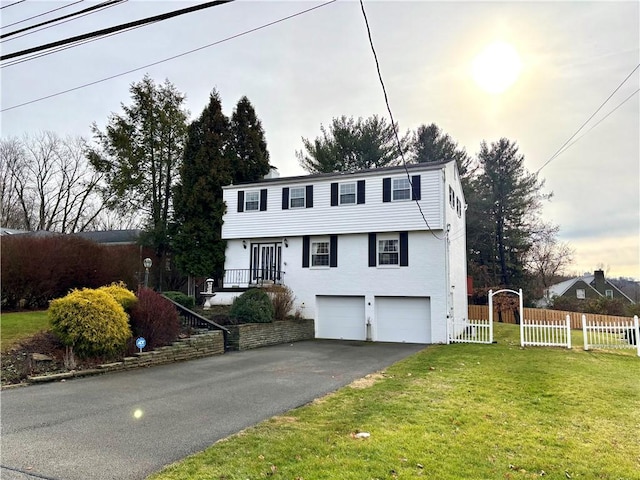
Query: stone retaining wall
{"points": [[197, 346], [255, 335]]}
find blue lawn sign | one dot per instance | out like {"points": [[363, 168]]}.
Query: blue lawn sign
{"points": [[141, 343]]}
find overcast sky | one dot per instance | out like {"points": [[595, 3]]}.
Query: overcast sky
{"points": [[302, 72]]}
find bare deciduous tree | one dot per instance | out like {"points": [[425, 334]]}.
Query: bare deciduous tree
{"points": [[48, 184]]}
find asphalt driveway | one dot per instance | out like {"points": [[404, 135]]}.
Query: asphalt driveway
{"points": [[124, 426]]}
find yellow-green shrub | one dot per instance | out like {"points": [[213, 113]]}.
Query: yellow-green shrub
{"points": [[121, 293], [90, 321]]}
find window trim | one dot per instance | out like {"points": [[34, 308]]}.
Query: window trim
{"points": [[386, 238], [319, 241], [247, 193], [394, 189], [354, 193], [292, 197], [608, 293]]}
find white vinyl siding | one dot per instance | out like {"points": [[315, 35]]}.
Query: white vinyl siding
{"points": [[372, 216]]}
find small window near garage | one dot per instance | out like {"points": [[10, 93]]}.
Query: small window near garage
{"points": [[320, 254], [347, 194], [401, 189], [388, 251], [252, 201], [608, 293], [580, 293], [296, 197]]}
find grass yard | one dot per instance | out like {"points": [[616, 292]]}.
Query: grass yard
{"points": [[453, 412], [18, 325]]}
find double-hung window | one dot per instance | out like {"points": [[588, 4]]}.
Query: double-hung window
{"points": [[580, 293], [252, 201], [347, 193], [296, 197], [320, 254], [388, 251], [401, 189]]}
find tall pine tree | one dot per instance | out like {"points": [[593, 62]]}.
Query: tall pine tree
{"points": [[206, 168], [251, 160]]}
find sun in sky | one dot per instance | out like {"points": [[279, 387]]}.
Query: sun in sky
{"points": [[497, 67]]}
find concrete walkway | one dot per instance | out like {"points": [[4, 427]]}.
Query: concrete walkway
{"points": [[124, 426]]}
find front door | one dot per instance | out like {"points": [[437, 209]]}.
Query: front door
{"points": [[266, 261]]}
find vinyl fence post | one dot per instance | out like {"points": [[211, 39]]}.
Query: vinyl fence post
{"points": [[520, 306], [491, 332], [636, 329], [584, 332], [568, 332]]}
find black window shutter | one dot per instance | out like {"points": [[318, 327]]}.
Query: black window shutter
{"points": [[263, 200], [333, 251], [285, 198], [334, 194], [386, 189], [404, 249], [309, 196], [360, 191], [305, 251], [240, 201], [372, 250], [415, 187]]}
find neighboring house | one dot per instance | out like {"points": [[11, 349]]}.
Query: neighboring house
{"points": [[112, 237], [371, 255], [584, 288]]}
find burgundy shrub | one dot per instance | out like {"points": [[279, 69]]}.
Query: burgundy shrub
{"points": [[155, 318]]}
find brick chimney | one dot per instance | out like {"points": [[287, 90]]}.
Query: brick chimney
{"points": [[599, 281]]}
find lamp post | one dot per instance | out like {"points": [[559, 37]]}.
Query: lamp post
{"points": [[147, 265]]}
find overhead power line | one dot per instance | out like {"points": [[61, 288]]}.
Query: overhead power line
{"points": [[12, 4], [124, 26], [246, 32], [560, 150], [393, 122], [70, 15], [103, 7], [43, 14]]}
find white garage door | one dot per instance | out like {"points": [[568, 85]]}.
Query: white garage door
{"points": [[403, 319], [340, 317]]}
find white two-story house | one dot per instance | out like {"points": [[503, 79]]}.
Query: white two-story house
{"points": [[371, 255]]}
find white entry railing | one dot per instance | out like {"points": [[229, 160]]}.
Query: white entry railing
{"points": [[611, 335], [470, 331], [546, 333]]}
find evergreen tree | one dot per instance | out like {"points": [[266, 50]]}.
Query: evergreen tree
{"points": [[350, 145], [503, 213], [206, 168], [251, 161], [139, 154]]}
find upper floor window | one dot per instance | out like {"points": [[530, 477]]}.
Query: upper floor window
{"points": [[458, 207], [401, 189], [580, 293], [296, 197], [252, 201], [347, 193], [608, 293], [452, 198]]}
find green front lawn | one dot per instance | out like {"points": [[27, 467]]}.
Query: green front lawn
{"points": [[19, 325], [453, 412]]}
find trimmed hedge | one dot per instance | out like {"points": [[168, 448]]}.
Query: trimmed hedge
{"points": [[181, 298], [91, 322], [122, 295]]}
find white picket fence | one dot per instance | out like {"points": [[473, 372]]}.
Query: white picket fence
{"points": [[546, 333], [470, 331], [611, 335]]}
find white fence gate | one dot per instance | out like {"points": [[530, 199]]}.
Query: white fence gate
{"points": [[470, 331], [546, 333], [611, 335]]}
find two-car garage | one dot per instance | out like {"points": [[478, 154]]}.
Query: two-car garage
{"points": [[394, 319]]}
